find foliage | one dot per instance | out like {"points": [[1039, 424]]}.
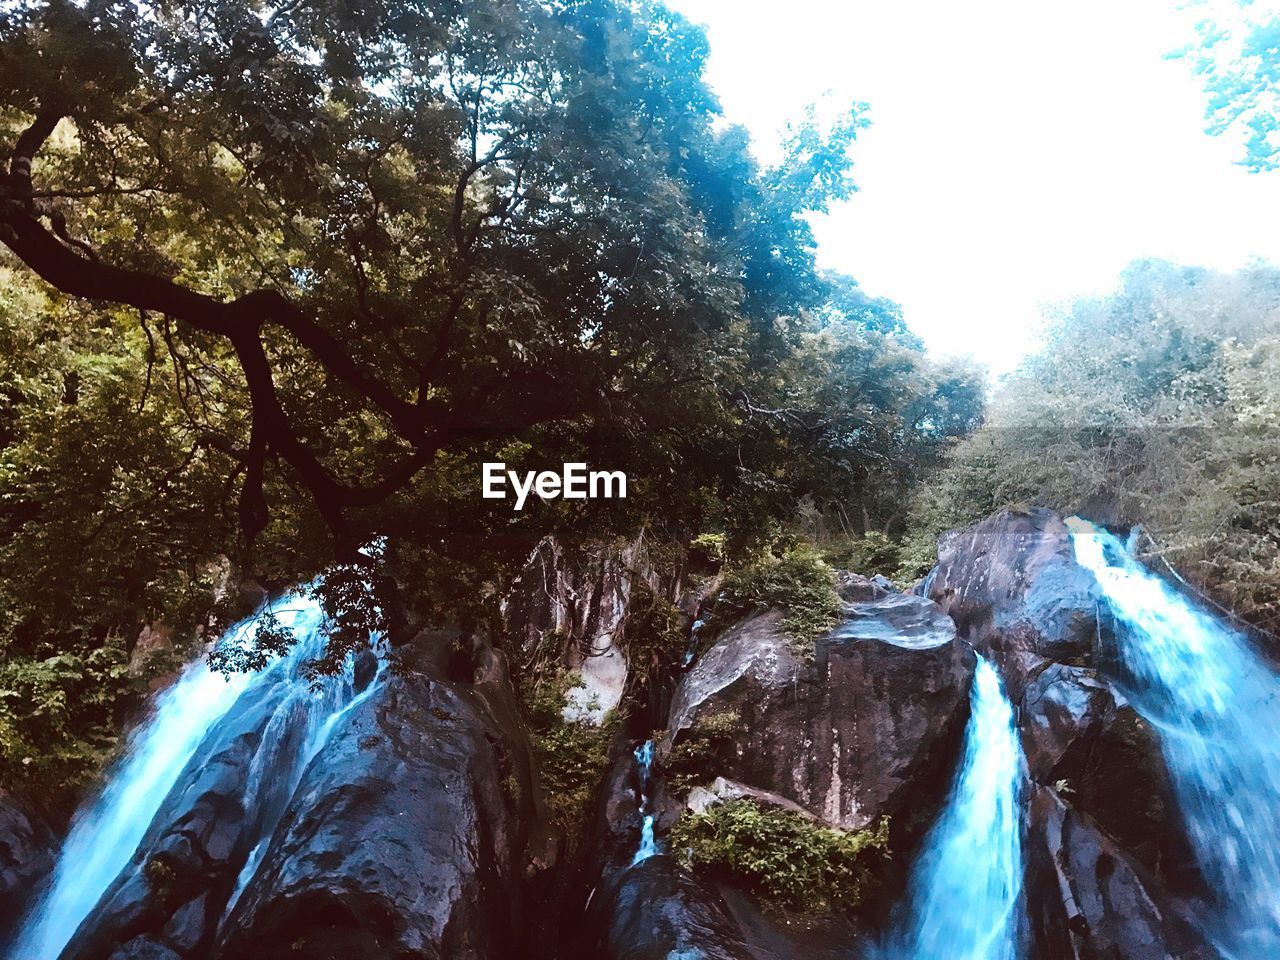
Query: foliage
{"points": [[655, 634], [444, 235], [572, 754], [781, 856], [873, 552], [710, 545], [692, 760], [59, 718], [1237, 55], [795, 578], [1158, 405], [342, 254]]}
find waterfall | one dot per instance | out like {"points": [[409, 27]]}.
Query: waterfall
{"points": [[648, 843], [1215, 706], [180, 729], [965, 891], [692, 650]]}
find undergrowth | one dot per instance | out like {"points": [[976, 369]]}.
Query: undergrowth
{"points": [[798, 580], [787, 860], [572, 754]]}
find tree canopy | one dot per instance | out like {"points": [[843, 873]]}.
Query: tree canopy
{"points": [[278, 279], [1236, 53], [1157, 406]]}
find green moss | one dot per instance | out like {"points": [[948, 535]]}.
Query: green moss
{"points": [[695, 758], [787, 860], [798, 580], [572, 754]]}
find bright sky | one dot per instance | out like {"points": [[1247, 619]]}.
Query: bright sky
{"points": [[1021, 151]]}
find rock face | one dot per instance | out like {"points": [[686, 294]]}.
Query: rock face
{"points": [[418, 832], [1106, 846], [187, 864], [1088, 899], [868, 729], [578, 605], [407, 839], [27, 849], [1013, 587], [654, 911], [1079, 733], [864, 727], [408, 833]]}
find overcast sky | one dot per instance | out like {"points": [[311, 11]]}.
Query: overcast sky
{"points": [[1021, 151]]}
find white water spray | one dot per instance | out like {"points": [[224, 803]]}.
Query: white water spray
{"points": [[105, 834], [1216, 707], [965, 891]]}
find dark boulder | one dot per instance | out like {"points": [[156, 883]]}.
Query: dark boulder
{"points": [[1088, 900], [655, 910], [407, 837], [1083, 738], [1013, 587], [855, 588], [866, 728], [1012, 584], [27, 850], [231, 793]]}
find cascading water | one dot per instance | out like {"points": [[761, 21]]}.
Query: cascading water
{"points": [[1216, 707], [180, 730], [648, 843], [692, 650], [966, 888]]}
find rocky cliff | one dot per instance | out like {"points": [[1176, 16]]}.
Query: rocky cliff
{"points": [[422, 828]]}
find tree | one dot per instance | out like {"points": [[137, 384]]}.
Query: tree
{"points": [[1237, 55], [1155, 406], [447, 222], [347, 253]]}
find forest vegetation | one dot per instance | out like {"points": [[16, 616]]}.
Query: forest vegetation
{"points": [[273, 286]]}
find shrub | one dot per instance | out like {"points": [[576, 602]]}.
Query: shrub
{"points": [[655, 634], [572, 754], [60, 719], [693, 759], [711, 546], [798, 580], [868, 555], [787, 860]]}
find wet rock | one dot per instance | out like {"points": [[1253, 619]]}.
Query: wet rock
{"points": [[1083, 737], [1063, 710], [573, 608], [172, 892], [855, 588], [27, 850], [1087, 899], [865, 729], [655, 911], [1015, 591], [407, 837], [721, 790], [1012, 585], [144, 948]]}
